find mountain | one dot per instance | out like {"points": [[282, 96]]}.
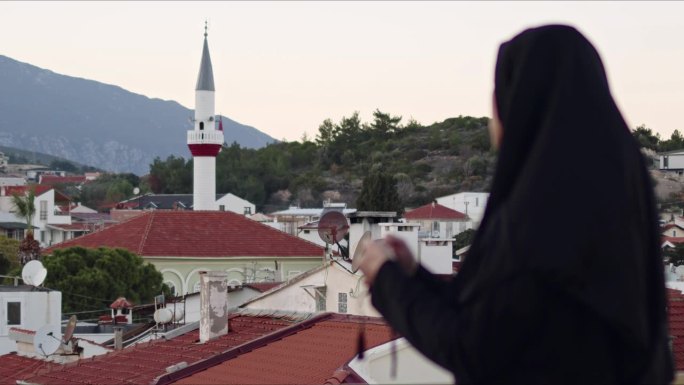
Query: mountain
{"points": [[94, 123]]}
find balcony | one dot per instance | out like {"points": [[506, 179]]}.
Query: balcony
{"points": [[205, 137]]}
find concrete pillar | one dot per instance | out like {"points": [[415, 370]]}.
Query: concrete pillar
{"points": [[213, 305]]}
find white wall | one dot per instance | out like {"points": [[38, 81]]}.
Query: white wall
{"points": [[235, 299], [235, 204], [335, 279], [412, 366], [38, 308], [674, 160], [436, 255], [408, 232], [204, 183]]}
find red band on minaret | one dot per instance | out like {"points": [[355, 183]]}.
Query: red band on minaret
{"points": [[204, 149]]}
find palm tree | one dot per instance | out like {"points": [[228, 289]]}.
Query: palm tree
{"points": [[29, 249], [26, 208]]}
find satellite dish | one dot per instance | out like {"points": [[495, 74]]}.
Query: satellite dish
{"points": [[34, 273], [136, 191], [69, 331], [332, 227], [360, 250], [47, 340], [163, 315]]}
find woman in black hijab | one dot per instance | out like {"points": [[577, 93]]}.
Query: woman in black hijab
{"points": [[564, 280]]}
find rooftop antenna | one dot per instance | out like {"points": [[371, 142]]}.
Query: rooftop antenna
{"points": [[332, 228], [47, 340], [34, 273]]}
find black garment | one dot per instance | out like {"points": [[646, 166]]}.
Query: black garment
{"points": [[564, 280]]}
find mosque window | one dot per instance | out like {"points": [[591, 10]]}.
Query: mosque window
{"points": [[201, 125]]}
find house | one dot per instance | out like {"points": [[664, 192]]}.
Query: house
{"points": [[224, 202], [331, 287], [438, 221], [671, 161], [53, 180], [181, 244], [12, 226], [293, 218], [471, 204], [23, 307], [52, 224], [672, 230]]}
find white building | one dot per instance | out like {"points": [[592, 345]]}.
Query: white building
{"points": [[294, 217], [331, 287], [438, 221], [205, 140], [232, 202], [471, 204], [672, 161], [24, 307]]}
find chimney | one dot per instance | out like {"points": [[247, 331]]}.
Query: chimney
{"points": [[213, 305], [118, 338]]}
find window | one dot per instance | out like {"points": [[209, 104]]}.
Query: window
{"points": [[222, 207], [13, 313], [43, 210], [665, 162], [171, 287], [674, 233], [307, 231], [201, 126], [477, 202], [320, 298], [341, 302], [248, 211]]}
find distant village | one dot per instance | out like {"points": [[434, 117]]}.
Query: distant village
{"points": [[255, 297]]}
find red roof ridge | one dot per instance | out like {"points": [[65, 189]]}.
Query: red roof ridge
{"points": [[73, 241], [146, 233]]}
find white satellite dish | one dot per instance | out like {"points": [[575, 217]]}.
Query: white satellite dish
{"points": [[47, 340], [136, 191], [163, 315], [34, 273]]}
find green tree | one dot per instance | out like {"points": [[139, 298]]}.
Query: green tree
{"points": [[9, 254], [29, 249], [646, 138], [464, 239], [91, 279], [379, 193]]}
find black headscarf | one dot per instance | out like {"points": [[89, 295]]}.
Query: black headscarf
{"points": [[571, 200]]}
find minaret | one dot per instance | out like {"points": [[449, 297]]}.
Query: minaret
{"points": [[204, 140]]}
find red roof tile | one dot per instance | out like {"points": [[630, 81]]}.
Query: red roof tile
{"points": [[142, 363], [675, 311], [14, 367], [674, 240], [196, 234], [309, 356], [121, 303], [434, 211]]}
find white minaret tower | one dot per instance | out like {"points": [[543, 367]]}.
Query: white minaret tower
{"points": [[205, 140]]}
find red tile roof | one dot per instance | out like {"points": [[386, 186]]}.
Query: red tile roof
{"points": [[14, 367], [19, 190], [142, 363], [121, 303], [196, 234], [56, 179], [311, 354], [675, 312], [434, 211], [673, 240]]}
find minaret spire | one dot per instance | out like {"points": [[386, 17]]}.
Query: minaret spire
{"points": [[206, 25]]}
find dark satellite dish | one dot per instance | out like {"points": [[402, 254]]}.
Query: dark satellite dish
{"points": [[332, 227], [69, 331], [360, 250]]}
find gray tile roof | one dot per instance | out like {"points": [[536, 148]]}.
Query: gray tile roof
{"points": [[205, 80]]}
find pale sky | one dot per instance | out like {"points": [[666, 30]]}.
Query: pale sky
{"points": [[284, 67]]}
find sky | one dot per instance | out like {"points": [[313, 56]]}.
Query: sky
{"points": [[284, 67]]}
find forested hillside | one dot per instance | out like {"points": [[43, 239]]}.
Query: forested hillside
{"points": [[426, 161]]}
